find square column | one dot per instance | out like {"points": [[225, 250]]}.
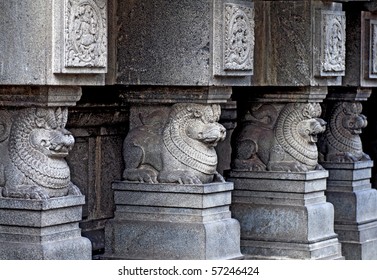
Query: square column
{"points": [[42, 229], [170, 221], [355, 202], [284, 215]]}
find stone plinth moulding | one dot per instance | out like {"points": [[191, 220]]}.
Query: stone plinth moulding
{"points": [[284, 215], [355, 203], [42, 229], [172, 221]]}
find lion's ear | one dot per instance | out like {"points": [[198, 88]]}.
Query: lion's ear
{"points": [[5, 124]]}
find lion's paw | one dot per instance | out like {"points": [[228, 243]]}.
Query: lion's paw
{"points": [[180, 177], [140, 175], [25, 192]]}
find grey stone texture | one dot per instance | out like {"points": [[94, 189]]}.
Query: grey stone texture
{"points": [[355, 204], [292, 45], [148, 38], [170, 221], [284, 215], [42, 229], [29, 45]]}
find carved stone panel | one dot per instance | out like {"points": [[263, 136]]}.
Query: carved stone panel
{"points": [[82, 45], [234, 39], [333, 46]]}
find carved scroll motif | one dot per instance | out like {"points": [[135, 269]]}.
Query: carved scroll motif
{"points": [[238, 37], [85, 44], [333, 44]]}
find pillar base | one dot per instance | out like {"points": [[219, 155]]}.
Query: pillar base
{"points": [[284, 215], [167, 221], [355, 203], [42, 229]]}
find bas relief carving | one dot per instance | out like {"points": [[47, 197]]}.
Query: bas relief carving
{"points": [[238, 37], [34, 143], [333, 44], [175, 147], [85, 44], [341, 142], [278, 139], [373, 49]]}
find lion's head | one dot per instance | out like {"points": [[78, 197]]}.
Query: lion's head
{"points": [[341, 142], [203, 126], [352, 119], [38, 144]]}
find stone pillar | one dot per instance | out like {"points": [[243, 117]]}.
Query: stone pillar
{"points": [[40, 206], [172, 204], [49, 49], [279, 186], [349, 188], [177, 71]]}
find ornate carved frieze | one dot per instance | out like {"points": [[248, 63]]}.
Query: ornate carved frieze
{"points": [[341, 142], [238, 37], [278, 139], [333, 47], [175, 146], [234, 38], [82, 47], [34, 146]]}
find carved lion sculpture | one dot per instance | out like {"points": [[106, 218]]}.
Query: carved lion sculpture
{"points": [[179, 150], [35, 147], [284, 141], [341, 142]]}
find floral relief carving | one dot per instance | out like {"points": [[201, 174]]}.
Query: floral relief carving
{"points": [[85, 42], [238, 37], [334, 43]]}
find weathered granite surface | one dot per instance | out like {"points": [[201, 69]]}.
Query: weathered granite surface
{"points": [[170, 221], [355, 203], [284, 215], [42, 229], [150, 53], [35, 43]]}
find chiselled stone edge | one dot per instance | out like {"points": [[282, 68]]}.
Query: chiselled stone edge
{"points": [[278, 175], [171, 95], [38, 205], [173, 188], [347, 165], [27, 96]]}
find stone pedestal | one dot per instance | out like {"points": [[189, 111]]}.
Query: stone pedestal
{"points": [[355, 204], [42, 229], [284, 215], [170, 221]]}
